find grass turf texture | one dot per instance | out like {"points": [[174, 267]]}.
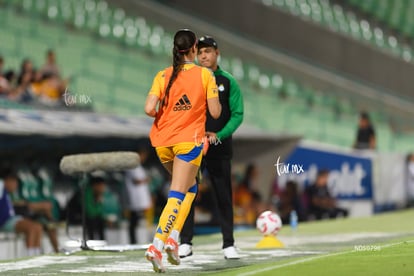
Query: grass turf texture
{"points": [[378, 245], [386, 259]]}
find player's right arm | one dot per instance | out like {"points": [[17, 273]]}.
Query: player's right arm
{"points": [[154, 94]]}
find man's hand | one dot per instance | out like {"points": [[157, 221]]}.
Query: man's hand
{"points": [[212, 138]]}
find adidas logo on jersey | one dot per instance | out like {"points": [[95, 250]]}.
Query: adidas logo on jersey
{"points": [[183, 104]]}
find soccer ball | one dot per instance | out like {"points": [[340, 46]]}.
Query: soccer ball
{"points": [[268, 223]]}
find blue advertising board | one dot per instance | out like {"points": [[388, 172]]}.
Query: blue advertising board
{"points": [[350, 176]]}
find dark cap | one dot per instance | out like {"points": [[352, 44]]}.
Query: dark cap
{"points": [[207, 41]]}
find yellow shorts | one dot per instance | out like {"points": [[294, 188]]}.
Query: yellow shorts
{"points": [[188, 152]]}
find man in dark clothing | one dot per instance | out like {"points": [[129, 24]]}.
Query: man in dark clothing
{"points": [[366, 134], [93, 204], [321, 203], [217, 161]]}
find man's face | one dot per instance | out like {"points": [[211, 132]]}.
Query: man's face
{"points": [[363, 123], [51, 57], [11, 184], [322, 180], [99, 188], [207, 57]]}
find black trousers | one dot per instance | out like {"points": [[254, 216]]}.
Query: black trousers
{"points": [[134, 217], [95, 227], [220, 173]]}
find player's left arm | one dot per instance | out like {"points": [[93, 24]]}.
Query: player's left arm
{"points": [[236, 109]]}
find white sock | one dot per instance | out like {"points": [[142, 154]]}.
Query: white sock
{"points": [[175, 235], [37, 251], [159, 244], [31, 251]]}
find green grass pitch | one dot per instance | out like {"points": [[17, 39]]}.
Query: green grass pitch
{"points": [[378, 245]]}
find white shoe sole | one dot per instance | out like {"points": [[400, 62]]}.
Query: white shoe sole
{"points": [[172, 259], [156, 266], [188, 255]]}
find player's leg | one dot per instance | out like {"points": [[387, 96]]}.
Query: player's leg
{"points": [[153, 253], [186, 234], [220, 174], [183, 174], [187, 230], [186, 217]]}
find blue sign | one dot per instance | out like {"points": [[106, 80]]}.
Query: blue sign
{"points": [[350, 177]]}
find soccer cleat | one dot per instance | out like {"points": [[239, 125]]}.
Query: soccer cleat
{"points": [[155, 257], [230, 253], [185, 250], [171, 248]]}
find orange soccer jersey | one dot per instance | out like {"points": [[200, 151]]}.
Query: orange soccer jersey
{"points": [[183, 117]]}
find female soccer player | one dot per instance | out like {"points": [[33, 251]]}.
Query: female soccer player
{"points": [[179, 98]]}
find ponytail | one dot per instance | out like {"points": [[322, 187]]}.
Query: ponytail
{"points": [[184, 40], [177, 66]]}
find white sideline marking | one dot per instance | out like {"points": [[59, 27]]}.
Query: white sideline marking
{"points": [[312, 259]]}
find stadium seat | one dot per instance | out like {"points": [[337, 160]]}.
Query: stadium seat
{"points": [[113, 57], [397, 15]]}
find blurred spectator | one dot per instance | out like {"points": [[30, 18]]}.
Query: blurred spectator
{"points": [[138, 195], [410, 179], [95, 219], [26, 67], [50, 67], [290, 199], [52, 85], [24, 91], [275, 193], [7, 81], [51, 89], [10, 222], [37, 83], [94, 208], [4, 86], [40, 211], [44, 85], [246, 199], [321, 203], [366, 134]]}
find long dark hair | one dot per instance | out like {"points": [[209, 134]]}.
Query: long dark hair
{"points": [[184, 40]]}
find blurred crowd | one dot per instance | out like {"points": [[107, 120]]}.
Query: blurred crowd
{"points": [[312, 203], [29, 84], [136, 197]]}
